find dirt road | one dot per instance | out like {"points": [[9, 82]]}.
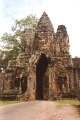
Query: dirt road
{"points": [[38, 110]]}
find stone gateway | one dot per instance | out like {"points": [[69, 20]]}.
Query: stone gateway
{"points": [[51, 71]]}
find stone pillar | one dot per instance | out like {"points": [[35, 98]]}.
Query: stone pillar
{"points": [[51, 79], [68, 83], [77, 79], [72, 78], [31, 91], [1, 84], [79, 83], [20, 89]]}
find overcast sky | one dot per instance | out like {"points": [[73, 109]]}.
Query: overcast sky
{"points": [[65, 12]]}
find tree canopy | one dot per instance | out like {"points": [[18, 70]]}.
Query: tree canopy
{"points": [[21, 37]]}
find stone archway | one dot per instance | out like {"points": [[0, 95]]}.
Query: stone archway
{"points": [[61, 81], [42, 81]]}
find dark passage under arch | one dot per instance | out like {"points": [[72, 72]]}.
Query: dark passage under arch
{"points": [[41, 68]]}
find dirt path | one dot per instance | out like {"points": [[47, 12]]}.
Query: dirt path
{"points": [[38, 110]]}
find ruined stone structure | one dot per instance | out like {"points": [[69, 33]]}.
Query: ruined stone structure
{"points": [[51, 71]]}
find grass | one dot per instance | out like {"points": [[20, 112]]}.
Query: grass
{"points": [[67, 102], [6, 102], [59, 103]]}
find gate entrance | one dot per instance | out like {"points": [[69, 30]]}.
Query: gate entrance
{"points": [[41, 68]]}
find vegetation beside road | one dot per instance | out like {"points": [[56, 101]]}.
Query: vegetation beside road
{"points": [[6, 102], [67, 102], [57, 102]]}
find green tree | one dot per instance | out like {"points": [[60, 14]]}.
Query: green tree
{"points": [[21, 37]]}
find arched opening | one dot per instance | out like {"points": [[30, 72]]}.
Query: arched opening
{"points": [[62, 83], [41, 81], [23, 84]]}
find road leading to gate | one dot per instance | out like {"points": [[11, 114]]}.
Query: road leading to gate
{"points": [[38, 110]]}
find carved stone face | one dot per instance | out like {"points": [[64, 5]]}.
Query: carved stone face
{"points": [[44, 34], [61, 35], [61, 31]]}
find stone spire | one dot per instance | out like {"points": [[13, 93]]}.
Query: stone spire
{"points": [[44, 35], [45, 22], [62, 40]]}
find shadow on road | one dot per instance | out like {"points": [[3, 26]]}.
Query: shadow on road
{"points": [[77, 107]]}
